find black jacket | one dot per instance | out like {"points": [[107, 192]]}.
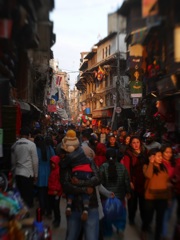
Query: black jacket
{"points": [[78, 190]]}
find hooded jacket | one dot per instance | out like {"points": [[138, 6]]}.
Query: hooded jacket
{"points": [[54, 184], [100, 156]]}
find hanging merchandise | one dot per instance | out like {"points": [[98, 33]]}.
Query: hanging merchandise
{"points": [[100, 74], [84, 120], [14, 220]]}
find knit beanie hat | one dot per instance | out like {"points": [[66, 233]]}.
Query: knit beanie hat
{"points": [[70, 142]]}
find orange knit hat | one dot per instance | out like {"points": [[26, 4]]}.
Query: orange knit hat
{"points": [[70, 142]]}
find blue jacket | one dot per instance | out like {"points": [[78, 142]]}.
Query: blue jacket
{"points": [[44, 167]]}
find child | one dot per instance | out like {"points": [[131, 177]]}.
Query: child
{"points": [[156, 192], [55, 190], [80, 168]]}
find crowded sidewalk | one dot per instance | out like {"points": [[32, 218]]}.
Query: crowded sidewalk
{"points": [[131, 232]]}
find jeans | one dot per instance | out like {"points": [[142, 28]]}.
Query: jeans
{"points": [[90, 226], [167, 216], [159, 207]]}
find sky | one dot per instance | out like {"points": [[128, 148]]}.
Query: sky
{"points": [[79, 25]]}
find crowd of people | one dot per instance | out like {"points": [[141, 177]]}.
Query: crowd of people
{"points": [[88, 166]]}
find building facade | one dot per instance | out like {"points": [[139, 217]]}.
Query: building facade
{"points": [[24, 25], [153, 43], [102, 82]]}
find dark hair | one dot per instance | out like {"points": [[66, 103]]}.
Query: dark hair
{"points": [[163, 149], [112, 171], [25, 131], [36, 131], [153, 151], [85, 135], [162, 167], [134, 137], [48, 140], [40, 143]]}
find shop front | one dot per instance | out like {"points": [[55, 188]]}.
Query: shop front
{"points": [[169, 96], [103, 116]]}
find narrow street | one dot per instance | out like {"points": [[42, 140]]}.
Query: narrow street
{"points": [[131, 232]]}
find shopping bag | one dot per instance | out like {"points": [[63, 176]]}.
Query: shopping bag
{"points": [[113, 208]]}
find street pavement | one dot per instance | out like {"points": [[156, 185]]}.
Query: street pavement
{"points": [[131, 232]]}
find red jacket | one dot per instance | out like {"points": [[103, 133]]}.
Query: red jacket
{"points": [[100, 156], [176, 178], [134, 165], [54, 185]]}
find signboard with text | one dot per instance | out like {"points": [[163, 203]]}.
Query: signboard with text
{"points": [[102, 113]]}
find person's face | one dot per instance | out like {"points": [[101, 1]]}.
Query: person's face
{"points": [[112, 141], [102, 130], [123, 134], [127, 140], [115, 132], [135, 144], [136, 75], [107, 131], [167, 154], [158, 158]]}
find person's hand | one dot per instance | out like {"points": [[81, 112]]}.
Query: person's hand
{"points": [[112, 195], [89, 190], [63, 195], [151, 159], [132, 185], [128, 195], [74, 180], [35, 180]]}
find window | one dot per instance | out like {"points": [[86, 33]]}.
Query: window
{"points": [[111, 80], [109, 50], [106, 54], [111, 100], [106, 81]]}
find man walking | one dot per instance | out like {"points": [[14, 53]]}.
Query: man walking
{"points": [[24, 162]]}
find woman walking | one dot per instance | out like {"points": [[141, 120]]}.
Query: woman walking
{"points": [[116, 179], [45, 152], [169, 162], [156, 193], [134, 159]]}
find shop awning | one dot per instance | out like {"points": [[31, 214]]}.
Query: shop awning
{"points": [[35, 107], [24, 106], [140, 36]]}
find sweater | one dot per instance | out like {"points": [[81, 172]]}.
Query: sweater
{"points": [[156, 185]]}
